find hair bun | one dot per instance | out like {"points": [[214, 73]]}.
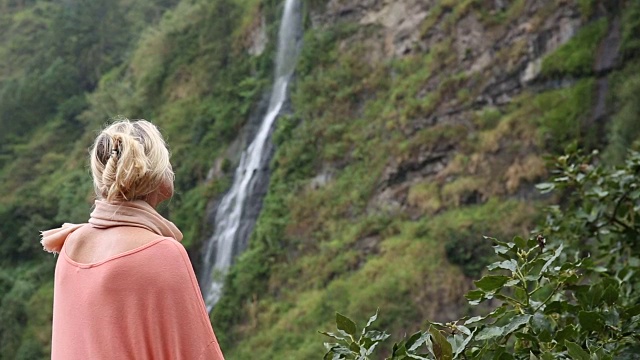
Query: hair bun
{"points": [[129, 161]]}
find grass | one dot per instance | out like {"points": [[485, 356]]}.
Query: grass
{"points": [[355, 243], [407, 279], [463, 190], [624, 130], [587, 8], [425, 195], [383, 281], [563, 114], [576, 57]]}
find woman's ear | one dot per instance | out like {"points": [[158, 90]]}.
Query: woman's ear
{"points": [[165, 191]]}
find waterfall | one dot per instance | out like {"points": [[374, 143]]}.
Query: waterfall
{"points": [[227, 240]]}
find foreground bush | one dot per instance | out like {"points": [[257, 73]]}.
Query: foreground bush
{"points": [[570, 292]]}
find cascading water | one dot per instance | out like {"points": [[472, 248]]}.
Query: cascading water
{"points": [[224, 244]]}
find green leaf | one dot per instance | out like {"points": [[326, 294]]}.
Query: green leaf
{"points": [[412, 340], [345, 324], [545, 187], [526, 336], [541, 322], [545, 336], [463, 329], [331, 335], [555, 307], [611, 317], [547, 356], [520, 242], [576, 352], [489, 332], [582, 294], [417, 357], [595, 294], [491, 282], [591, 320], [371, 320], [520, 294], [441, 347], [501, 249], [461, 347], [566, 333], [611, 294], [355, 347], [337, 352], [376, 336], [601, 354], [418, 342], [510, 265], [474, 319], [395, 349], [515, 323], [552, 259], [631, 312], [474, 295]]}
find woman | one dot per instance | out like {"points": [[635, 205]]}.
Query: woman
{"points": [[124, 285]]}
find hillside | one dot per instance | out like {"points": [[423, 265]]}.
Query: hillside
{"points": [[413, 128], [416, 128]]}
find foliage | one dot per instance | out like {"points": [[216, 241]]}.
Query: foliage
{"points": [[587, 8], [575, 58], [563, 115], [319, 245], [624, 128], [572, 294], [603, 205], [630, 46], [357, 115], [362, 345], [469, 252]]}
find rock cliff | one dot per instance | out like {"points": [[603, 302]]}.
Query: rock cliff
{"points": [[417, 127]]}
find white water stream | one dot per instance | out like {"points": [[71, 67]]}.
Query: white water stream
{"points": [[221, 247]]}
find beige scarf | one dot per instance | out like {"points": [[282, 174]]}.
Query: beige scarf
{"points": [[105, 215]]}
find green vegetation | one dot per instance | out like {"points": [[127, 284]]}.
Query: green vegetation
{"points": [[387, 172], [63, 75], [564, 116], [575, 58], [570, 293], [337, 246]]}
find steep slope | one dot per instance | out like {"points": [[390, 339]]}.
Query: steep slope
{"points": [[417, 128], [414, 127], [67, 68]]}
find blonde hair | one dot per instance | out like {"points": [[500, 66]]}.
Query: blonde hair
{"points": [[129, 160]]}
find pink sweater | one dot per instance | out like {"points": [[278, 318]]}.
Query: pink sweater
{"points": [[142, 304]]}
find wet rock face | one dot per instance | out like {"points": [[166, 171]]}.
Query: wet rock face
{"points": [[398, 21], [502, 58], [258, 38], [470, 40]]}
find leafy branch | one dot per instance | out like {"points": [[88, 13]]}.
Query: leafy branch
{"points": [[572, 297]]}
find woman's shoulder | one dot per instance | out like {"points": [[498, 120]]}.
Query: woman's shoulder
{"points": [[161, 251], [160, 264], [169, 248], [92, 246], [166, 253], [167, 264]]}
